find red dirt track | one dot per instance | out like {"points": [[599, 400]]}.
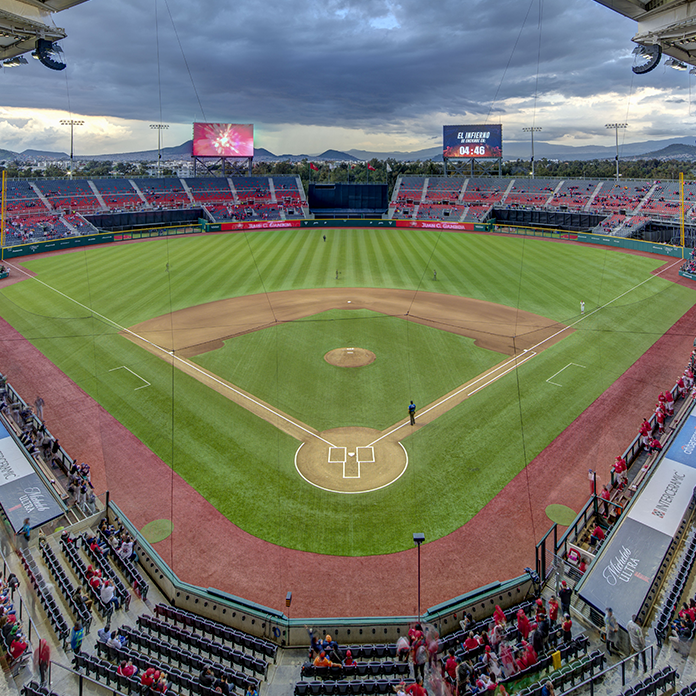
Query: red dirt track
{"points": [[206, 549]]}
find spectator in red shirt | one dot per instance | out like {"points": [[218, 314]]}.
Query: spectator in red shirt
{"points": [[417, 689], [451, 665], [597, 535], [553, 610], [18, 646]]}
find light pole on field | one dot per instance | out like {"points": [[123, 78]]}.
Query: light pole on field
{"points": [[532, 130], [418, 539], [159, 127], [72, 123], [616, 127]]}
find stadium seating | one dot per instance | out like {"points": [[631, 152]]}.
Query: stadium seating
{"points": [[66, 195], [613, 196], [214, 628], [55, 615], [210, 189], [573, 194], [118, 194], [533, 193], [79, 611], [164, 193], [22, 199]]}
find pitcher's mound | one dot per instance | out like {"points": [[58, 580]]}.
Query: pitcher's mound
{"points": [[349, 357]]}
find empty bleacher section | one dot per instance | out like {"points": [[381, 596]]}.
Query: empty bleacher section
{"points": [[210, 190], [533, 193], [406, 197], [573, 194], [163, 194], [22, 199], [622, 196], [69, 195], [118, 194]]}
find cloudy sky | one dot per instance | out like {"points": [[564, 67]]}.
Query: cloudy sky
{"points": [[377, 75]]}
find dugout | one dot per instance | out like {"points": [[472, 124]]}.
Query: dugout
{"points": [[339, 200], [119, 222]]}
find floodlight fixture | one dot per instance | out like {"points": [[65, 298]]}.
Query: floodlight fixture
{"points": [[14, 62], [652, 53], [48, 55], [676, 64], [616, 127], [531, 130]]}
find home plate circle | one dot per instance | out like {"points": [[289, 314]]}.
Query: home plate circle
{"points": [[349, 460], [350, 357]]}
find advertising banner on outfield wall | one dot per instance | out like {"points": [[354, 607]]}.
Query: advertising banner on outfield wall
{"points": [[435, 225], [270, 224], [22, 492]]}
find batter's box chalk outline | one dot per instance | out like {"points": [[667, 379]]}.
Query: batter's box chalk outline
{"points": [[366, 455], [337, 455], [556, 384], [123, 367]]}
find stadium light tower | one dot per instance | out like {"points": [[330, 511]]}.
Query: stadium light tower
{"points": [[159, 127], [418, 539], [72, 123], [532, 130], [616, 127]]}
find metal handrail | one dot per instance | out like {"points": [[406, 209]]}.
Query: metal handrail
{"points": [[622, 663]]}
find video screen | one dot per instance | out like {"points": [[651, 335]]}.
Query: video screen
{"points": [[473, 141], [223, 140]]}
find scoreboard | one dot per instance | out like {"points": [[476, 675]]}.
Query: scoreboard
{"points": [[475, 141]]}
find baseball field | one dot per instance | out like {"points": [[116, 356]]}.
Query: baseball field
{"points": [[272, 370]]}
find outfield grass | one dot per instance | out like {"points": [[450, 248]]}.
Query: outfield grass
{"points": [[457, 463], [410, 360]]}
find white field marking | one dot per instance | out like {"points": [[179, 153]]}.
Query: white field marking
{"points": [[365, 456], [195, 367], [331, 490], [337, 455], [123, 367], [513, 361], [191, 365], [565, 328], [559, 372]]}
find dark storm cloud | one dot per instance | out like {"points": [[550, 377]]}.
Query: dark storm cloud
{"points": [[350, 63]]}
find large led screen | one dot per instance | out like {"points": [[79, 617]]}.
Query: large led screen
{"points": [[473, 141], [223, 140]]}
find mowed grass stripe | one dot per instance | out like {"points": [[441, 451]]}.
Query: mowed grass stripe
{"points": [[476, 447]]}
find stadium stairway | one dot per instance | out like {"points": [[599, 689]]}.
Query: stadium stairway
{"points": [[98, 195], [141, 195], [187, 189], [43, 198]]}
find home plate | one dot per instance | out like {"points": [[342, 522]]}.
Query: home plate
{"points": [[352, 454]]}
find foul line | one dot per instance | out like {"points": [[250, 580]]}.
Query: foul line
{"points": [[293, 423], [526, 350], [515, 363], [174, 357]]}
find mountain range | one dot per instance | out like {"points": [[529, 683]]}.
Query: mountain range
{"points": [[673, 148]]}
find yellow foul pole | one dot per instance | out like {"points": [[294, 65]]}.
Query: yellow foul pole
{"points": [[3, 201], [681, 211]]}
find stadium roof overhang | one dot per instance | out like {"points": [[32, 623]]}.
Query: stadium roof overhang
{"points": [[23, 22], [669, 24]]}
